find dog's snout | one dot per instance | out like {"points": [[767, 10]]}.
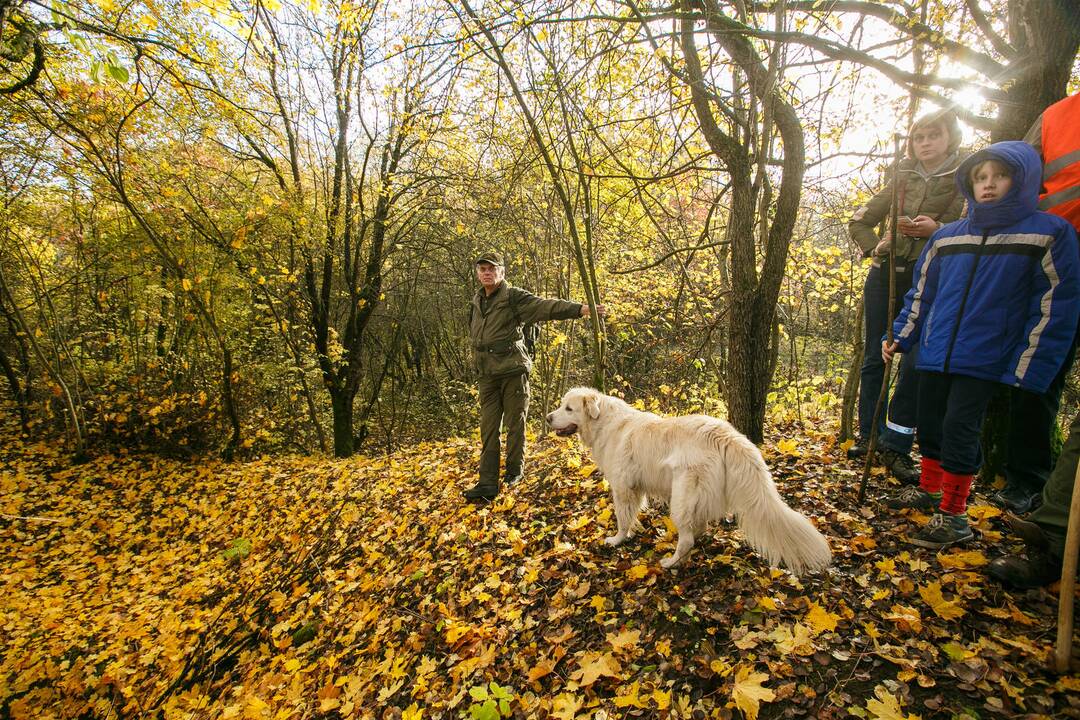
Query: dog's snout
{"points": [[548, 418]]}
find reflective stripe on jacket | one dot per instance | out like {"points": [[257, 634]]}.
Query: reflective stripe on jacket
{"points": [[996, 295], [1061, 159]]}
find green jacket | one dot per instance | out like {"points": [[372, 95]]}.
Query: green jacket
{"points": [[495, 333], [935, 196]]}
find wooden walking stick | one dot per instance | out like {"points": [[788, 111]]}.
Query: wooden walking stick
{"points": [[1063, 647], [894, 214]]}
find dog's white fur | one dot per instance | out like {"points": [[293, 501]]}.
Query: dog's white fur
{"points": [[702, 467]]}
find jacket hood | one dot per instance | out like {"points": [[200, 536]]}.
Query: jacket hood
{"points": [[1023, 196]]}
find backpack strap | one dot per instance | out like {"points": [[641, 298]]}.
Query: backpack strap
{"points": [[515, 298]]}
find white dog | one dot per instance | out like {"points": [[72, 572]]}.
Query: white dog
{"points": [[702, 467]]}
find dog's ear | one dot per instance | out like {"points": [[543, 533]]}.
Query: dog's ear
{"points": [[591, 405]]}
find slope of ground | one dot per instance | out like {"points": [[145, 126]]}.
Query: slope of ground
{"points": [[307, 588]]}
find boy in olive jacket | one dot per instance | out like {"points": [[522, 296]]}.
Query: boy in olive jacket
{"points": [[496, 317]]}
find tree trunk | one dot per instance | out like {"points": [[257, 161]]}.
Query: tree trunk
{"points": [[342, 403], [228, 404], [1047, 36], [16, 389]]}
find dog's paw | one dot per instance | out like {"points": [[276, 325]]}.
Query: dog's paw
{"points": [[614, 540], [669, 562]]}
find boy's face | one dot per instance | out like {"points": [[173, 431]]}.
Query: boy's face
{"points": [[990, 181]]}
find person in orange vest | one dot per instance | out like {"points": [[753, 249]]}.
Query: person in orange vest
{"points": [[1056, 135]]}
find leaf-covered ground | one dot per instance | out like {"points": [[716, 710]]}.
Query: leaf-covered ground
{"points": [[309, 588]]}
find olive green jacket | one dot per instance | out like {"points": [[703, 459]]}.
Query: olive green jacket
{"points": [[935, 195], [497, 342]]}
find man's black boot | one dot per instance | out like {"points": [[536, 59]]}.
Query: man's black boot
{"points": [[513, 475], [1040, 565], [483, 490], [1036, 569]]}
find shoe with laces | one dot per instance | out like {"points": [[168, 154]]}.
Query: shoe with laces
{"points": [[901, 466], [943, 531], [1018, 499], [914, 497]]}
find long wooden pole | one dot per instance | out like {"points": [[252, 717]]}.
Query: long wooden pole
{"points": [[1063, 647], [871, 446]]}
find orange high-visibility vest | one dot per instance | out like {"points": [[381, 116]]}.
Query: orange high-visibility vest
{"points": [[1061, 160]]}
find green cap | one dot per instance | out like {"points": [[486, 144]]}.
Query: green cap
{"points": [[492, 257]]}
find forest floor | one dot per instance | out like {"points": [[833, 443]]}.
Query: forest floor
{"points": [[304, 587]]}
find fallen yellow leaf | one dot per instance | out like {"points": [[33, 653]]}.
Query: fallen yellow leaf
{"points": [[748, 692]]}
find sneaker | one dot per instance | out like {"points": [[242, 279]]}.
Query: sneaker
{"points": [[943, 531], [915, 497], [858, 450], [1019, 500], [482, 491], [901, 466], [1037, 569]]}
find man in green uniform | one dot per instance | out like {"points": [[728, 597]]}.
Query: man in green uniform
{"points": [[496, 317]]}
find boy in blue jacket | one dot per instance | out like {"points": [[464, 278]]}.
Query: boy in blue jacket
{"points": [[995, 299]]}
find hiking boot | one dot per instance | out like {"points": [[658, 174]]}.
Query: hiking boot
{"points": [[513, 475], [858, 450], [482, 491], [1037, 569], [914, 497], [943, 531], [1034, 535], [901, 466], [1019, 500]]}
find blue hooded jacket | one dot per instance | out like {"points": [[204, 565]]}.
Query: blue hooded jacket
{"points": [[996, 295]]}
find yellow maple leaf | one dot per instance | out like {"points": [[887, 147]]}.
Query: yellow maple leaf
{"points": [[637, 572], [947, 609], [906, 618], [541, 669], [788, 447], [962, 559], [887, 707], [748, 693], [630, 698], [595, 666], [819, 619], [625, 639], [565, 707], [587, 470], [662, 699], [413, 712]]}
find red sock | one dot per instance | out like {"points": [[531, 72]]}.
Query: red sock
{"points": [[956, 489], [930, 477]]}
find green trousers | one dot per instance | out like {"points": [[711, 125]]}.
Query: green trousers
{"points": [[1053, 514], [504, 401]]}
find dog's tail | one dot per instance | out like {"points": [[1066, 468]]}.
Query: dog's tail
{"points": [[780, 534]]}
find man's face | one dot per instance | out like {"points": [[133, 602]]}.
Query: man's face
{"points": [[489, 275], [990, 181]]}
